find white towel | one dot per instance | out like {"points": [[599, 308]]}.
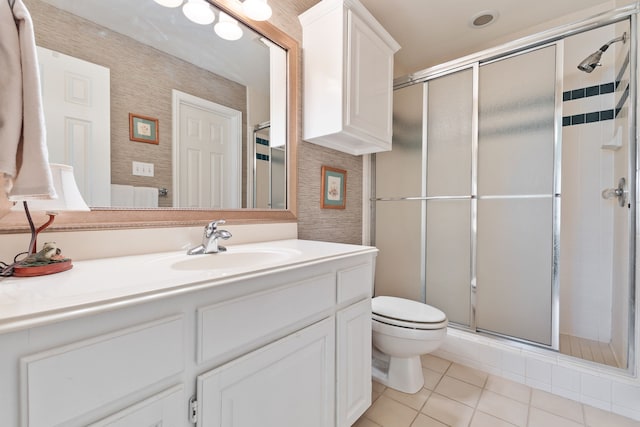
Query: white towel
{"points": [[145, 197], [122, 196], [23, 148]]}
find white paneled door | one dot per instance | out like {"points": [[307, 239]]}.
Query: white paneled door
{"points": [[207, 151], [76, 102]]}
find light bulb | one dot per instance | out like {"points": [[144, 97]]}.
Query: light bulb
{"points": [[228, 28], [169, 3], [258, 10], [199, 11]]}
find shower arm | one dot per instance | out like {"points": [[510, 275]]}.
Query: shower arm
{"points": [[592, 61], [622, 38]]}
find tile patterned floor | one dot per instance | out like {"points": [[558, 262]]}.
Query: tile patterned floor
{"points": [[455, 395], [587, 349]]}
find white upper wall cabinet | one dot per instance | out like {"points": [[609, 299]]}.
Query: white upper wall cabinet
{"points": [[347, 78]]}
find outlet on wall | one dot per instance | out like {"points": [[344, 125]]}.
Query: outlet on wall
{"points": [[142, 169]]}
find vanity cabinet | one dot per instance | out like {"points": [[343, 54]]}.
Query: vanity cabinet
{"points": [[287, 383], [347, 78], [353, 362], [289, 346]]}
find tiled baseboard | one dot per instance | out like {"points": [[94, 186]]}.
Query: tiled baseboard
{"points": [[586, 382]]}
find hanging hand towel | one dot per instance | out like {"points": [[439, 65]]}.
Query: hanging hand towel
{"points": [[145, 197], [23, 148], [122, 196]]}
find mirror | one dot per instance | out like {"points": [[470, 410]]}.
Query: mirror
{"points": [[228, 78]]}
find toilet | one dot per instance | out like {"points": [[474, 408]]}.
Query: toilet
{"points": [[402, 331]]}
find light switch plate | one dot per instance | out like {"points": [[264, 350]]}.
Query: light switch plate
{"points": [[142, 169]]}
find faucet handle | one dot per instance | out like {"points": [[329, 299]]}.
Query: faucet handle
{"points": [[214, 224], [210, 228]]}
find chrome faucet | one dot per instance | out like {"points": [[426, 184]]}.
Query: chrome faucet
{"points": [[210, 239]]}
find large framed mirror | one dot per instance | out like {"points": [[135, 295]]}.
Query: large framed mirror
{"points": [[162, 70]]}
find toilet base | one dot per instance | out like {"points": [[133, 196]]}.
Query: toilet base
{"points": [[399, 373]]}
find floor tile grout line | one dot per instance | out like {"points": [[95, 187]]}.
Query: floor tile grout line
{"points": [[530, 406]]}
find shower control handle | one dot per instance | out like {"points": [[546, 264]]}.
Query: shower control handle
{"points": [[618, 192]]}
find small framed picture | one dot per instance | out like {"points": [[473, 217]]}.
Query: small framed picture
{"points": [[143, 129], [334, 188]]}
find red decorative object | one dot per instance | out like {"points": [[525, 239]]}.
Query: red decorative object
{"points": [[42, 270]]}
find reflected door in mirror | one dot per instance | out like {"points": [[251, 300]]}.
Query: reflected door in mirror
{"points": [[76, 103], [208, 146]]}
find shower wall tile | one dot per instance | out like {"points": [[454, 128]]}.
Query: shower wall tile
{"points": [[596, 391], [587, 105], [538, 373], [559, 375], [589, 98], [514, 364], [565, 382], [490, 356], [626, 399]]}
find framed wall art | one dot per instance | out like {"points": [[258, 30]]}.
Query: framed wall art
{"points": [[334, 188], [143, 129]]}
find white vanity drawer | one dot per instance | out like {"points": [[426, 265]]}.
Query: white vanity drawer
{"points": [[355, 283], [66, 382], [248, 321]]}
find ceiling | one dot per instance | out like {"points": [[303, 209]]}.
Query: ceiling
{"points": [[432, 32]]}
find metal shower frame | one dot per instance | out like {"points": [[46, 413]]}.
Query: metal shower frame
{"points": [[549, 37]]}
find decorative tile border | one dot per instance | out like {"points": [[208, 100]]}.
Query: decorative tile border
{"points": [[586, 92], [595, 116], [262, 156], [262, 141]]}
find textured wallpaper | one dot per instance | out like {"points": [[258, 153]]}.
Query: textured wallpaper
{"points": [[147, 93], [333, 225]]}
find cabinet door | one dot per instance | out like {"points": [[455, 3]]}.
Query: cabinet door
{"points": [[353, 362], [164, 409], [369, 81], [287, 383]]}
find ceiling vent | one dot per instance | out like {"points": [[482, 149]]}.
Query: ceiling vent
{"points": [[484, 18]]}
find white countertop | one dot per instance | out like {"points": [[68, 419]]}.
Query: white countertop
{"points": [[102, 284]]}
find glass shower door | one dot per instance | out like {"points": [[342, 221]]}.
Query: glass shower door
{"points": [[517, 190], [450, 142], [399, 203]]}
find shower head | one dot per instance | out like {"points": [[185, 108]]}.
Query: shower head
{"points": [[592, 61]]}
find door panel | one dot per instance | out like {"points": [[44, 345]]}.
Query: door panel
{"points": [[76, 103], [287, 383], [515, 246], [207, 146], [399, 174]]}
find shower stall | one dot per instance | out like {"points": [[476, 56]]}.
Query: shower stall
{"points": [[269, 170], [508, 200]]}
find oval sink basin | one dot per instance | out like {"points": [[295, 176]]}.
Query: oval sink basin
{"points": [[235, 259]]}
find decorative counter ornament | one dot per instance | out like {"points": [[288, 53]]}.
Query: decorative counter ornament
{"points": [[48, 260]]}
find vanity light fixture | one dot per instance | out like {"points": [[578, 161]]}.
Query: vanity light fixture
{"points": [[169, 3], [69, 199], [258, 10], [199, 11], [227, 28]]}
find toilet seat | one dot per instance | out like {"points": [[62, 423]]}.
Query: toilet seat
{"points": [[406, 313]]}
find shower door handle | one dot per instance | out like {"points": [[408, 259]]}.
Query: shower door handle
{"points": [[618, 192]]}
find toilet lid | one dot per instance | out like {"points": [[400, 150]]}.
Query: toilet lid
{"points": [[406, 310]]}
